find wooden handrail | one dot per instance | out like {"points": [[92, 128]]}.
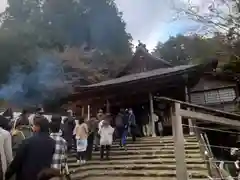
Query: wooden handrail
{"points": [[195, 106], [193, 112]]}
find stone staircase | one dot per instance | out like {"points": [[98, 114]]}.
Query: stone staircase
{"points": [[147, 159]]}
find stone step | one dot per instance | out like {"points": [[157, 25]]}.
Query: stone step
{"points": [[164, 137], [152, 151], [140, 156], [78, 168], [155, 141], [147, 159], [148, 152], [135, 178], [139, 144], [126, 173], [140, 161], [160, 146]]}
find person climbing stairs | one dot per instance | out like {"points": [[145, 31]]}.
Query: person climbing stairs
{"points": [[149, 158]]}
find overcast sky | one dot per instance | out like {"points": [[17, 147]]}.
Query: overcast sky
{"points": [[3, 4], [149, 21], [152, 20]]}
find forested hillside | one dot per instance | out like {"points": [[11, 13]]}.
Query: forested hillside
{"points": [[43, 44], [219, 38], [48, 47]]}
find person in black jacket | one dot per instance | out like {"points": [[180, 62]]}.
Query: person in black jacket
{"points": [[67, 129], [34, 154], [132, 124]]}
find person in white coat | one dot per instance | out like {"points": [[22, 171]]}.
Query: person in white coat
{"points": [[106, 138], [5, 149]]}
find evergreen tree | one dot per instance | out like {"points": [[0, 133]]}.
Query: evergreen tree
{"points": [[55, 24]]}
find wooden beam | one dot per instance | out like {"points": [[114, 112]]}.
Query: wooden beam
{"points": [[124, 90], [209, 118], [195, 106], [181, 167], [162, 80], [126, 96]]}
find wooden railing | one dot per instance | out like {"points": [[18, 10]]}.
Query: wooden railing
{"points": [[179, 110], [214, 171], [206, 152]]}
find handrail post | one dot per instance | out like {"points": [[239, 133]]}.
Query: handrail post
{"points": [[88, 112], [181, 167], [190, 123], [151, 115]]}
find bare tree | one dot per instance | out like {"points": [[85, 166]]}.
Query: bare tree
{"points": [[213, 15]]}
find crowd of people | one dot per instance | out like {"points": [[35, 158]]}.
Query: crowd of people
{"points": [[32, 149], [37, 148]]}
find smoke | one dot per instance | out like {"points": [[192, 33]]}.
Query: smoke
{"points": [[45, 83]]}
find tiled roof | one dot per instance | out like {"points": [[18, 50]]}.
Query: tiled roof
{"points": [[149, 61], [144, 75], [154, 57]]}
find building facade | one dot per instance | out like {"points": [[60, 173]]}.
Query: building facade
{"points": [[216, 90]]}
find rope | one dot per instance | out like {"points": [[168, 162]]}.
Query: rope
{"points": [[211, 178], [211, 129], [215, 146], [211, 160]]}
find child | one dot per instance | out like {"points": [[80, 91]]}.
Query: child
{"points": [[81, 142], [106, 137]]}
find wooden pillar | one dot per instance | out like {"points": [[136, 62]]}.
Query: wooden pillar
{"points": [[190, 123], [88, 112], [108, 107], [237, 92], [151, 115], [172, 118], [181, 167], [82, 113]]}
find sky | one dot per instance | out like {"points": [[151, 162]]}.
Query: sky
{"points": [[150, 21], [3, 5]]}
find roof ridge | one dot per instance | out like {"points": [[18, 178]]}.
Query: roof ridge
{"points": [[142, 47], [158, 58]]}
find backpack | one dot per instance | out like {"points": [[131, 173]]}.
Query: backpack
{"points": [[119, 120]]}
